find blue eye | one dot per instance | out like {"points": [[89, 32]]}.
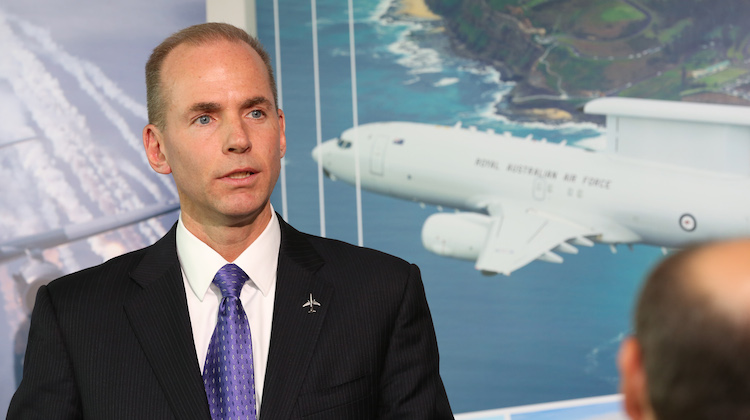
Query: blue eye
{"points": [[204, 119], [256, 113]]}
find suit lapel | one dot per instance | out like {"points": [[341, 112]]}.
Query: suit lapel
{"points": [[159, 317], [295, 330]]}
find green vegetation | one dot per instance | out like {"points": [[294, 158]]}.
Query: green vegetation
{"points": [[742, 48], [716, 33], [666, 86], [534, 3], [474, 36], [714, 82], [577, 73], [650, 31], [735, 33], [587, 19], [550, 80], [502, 5], [694, 91], [703, 58], [718, 79], [444, 7], [476, 11], [640, 43], [622, 12], [670, 34], [734, 54]]}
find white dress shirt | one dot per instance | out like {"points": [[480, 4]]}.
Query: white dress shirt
{"points": [[199, 264]]}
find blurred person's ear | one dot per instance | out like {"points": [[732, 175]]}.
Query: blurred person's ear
{"points": [[633, 380]]}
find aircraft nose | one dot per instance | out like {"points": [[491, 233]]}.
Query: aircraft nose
{"points": [[317, 154]]}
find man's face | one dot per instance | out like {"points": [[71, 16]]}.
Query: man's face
{"points": [[223, 137]]}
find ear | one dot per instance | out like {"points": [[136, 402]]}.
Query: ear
{"points": [[153, 142], [282, 132], [633, 380]]}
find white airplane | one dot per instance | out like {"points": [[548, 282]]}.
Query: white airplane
{"points": [[37, 271], [671, 174]]}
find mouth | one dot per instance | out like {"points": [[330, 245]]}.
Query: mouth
{"points": [[240, 175]]}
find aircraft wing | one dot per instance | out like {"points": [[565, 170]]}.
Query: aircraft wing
{"points": [[6, 143], [59, 236], [519, 234]]}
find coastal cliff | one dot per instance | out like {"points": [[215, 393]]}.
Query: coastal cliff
{"points": [[481, 32], [563, 53]]}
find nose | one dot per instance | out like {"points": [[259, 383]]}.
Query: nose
{"points": [[237, 137]]}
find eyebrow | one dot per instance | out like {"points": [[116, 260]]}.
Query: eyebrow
{"points": [[205, 107], [255, 101], [214, 106]]}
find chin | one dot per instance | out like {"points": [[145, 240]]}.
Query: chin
{"points": [[243, 211]]}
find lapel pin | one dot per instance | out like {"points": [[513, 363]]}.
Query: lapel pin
{"points": [[312, 303]]}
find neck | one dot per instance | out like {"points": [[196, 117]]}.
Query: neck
{"points": [[227, 239]]}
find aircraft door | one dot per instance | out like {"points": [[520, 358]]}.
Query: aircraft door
{"points": [[539, 189], [377, 156]]}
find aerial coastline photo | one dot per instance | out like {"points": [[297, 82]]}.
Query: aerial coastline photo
{"points": [[564, 53], [503, 83]]}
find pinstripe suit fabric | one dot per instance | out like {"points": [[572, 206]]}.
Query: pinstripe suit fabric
{"points": [[114, 341]]}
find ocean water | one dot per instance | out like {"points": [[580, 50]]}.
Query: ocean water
{"points": [[548, 332]]}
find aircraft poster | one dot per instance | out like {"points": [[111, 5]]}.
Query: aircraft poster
{"points": [[72, 85]]}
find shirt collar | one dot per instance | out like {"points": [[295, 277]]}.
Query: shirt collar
{"points": [[199, 262]]}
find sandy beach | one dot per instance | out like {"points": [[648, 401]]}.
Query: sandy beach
{"points": [[417, 8]]}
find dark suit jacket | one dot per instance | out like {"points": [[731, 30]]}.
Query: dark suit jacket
{"points": [[115, 342]]}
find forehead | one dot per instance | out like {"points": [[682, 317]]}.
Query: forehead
{"points": [[216, 65]]}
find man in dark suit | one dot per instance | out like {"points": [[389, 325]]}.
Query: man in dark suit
{"points": [[688, 357], [337, 331]]}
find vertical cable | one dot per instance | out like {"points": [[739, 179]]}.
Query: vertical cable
{"points": [[277, 45], [357, 178], [318, 133]]}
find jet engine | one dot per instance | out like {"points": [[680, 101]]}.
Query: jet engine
{"points": [[35, 273], [457, 235]]}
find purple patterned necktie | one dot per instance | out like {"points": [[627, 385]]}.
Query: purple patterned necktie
{"points": [[228, 373]]}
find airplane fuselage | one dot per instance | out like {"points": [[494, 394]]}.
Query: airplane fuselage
{"points": [[628, 200]]}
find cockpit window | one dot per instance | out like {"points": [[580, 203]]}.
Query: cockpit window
{"points": [[344, 144]]}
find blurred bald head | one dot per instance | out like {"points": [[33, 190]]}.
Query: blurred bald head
{"points": [[689, 357], [722, 271]]}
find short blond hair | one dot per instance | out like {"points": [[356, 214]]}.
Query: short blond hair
{"points": [[194, 35]]}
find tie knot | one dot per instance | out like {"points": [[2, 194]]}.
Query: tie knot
{"points": [[230, 279]]}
